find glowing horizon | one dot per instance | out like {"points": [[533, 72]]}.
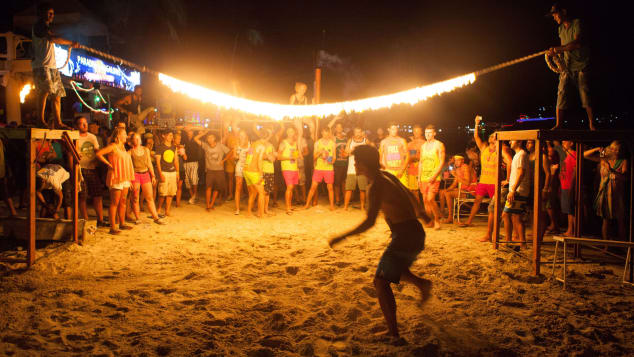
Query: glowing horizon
{"points": [[281, 111]]}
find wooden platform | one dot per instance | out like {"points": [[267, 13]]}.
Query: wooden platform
{"points": [[579, 137]]}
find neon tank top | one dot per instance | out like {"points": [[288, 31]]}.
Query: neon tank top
{"points": [[267, 166], [487, 164], [289, 151], [393, 158], [428, 164], [325, 164]]}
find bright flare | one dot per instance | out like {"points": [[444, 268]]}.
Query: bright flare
{"points": [[25, 91], [281, 111]]}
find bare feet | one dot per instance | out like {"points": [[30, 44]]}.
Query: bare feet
{"points": [[425, 290], [463, 225], [332, 208], [485, 239], [568, 234], [447, 221], [437, 225]]}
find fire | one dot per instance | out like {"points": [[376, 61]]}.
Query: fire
{"points": [[25, 91], [281, 111]]}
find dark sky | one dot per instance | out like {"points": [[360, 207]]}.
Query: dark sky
{"points": [[386, 46]]}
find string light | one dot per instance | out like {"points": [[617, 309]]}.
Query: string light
{"points": [[281, 111]]}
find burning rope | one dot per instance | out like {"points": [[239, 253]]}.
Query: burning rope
{"points": [[555, 63], [281, 111]]}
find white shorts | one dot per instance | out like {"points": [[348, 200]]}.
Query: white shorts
{"points": [[239, 169], [121, 185], [169, 186], [191, 174]]}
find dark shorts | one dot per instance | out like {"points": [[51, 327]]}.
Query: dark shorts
{"points": [[408, 240], [67, 195], [269, 182], [92, 184], [504, 191], [216, 179], [340, 174], [567, 202]]}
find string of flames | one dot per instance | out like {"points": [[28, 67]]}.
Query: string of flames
{"points": [[281, 111]]}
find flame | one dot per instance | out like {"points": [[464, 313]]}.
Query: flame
{"points": [[281, 111], [25, 91]]}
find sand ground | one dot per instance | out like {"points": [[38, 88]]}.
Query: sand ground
{"points": [[216, 284]]}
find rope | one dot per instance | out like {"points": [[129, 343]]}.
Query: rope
{"points": [[508, 63], [74, 85], [117, 59], [82, 89], [555, 63]]}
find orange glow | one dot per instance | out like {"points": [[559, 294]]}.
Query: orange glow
{"points": [[25, 91], [281, 111]]}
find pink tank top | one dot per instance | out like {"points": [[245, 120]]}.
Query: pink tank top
{"points": [[122, 169]]}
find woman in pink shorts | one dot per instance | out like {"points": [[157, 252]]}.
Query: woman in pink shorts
{"points": [[144, 178]]}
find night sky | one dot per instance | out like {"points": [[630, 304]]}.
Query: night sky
{"points": [[385, 46]]}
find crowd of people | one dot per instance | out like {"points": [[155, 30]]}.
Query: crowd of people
{"points": [[263, 163]]}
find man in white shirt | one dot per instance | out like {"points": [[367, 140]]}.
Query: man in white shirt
{"points": [[519, 189]]}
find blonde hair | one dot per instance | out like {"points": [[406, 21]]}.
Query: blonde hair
{"points": [[115, 134]]}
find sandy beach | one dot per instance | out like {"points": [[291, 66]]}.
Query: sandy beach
{"points": [[215, 284]]}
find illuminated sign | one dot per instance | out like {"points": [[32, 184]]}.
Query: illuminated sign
{"points": [[96, 70]]}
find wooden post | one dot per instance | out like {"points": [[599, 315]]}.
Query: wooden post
{"points": [[631, 207], [30, 254], [75, 178], [537, 205], [496, 197], [578, 195]]}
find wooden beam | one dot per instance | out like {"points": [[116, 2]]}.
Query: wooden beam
{"points": [[30, 164], [517, 135], [75, 178], [537, 206], [36, 133], [496, 196]]}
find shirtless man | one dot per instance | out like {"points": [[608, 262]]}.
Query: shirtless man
{"points": [[465, 177], [432, 160], [414, 156], [394, 155], [401, 213]]}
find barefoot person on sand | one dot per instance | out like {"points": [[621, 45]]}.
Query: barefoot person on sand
{"points": [[401, 212], [432, 160]]}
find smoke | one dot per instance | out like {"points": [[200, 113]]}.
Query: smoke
{"points": [[349, 72]]}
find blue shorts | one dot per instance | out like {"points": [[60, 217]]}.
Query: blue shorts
{"points": [[408, 240]]}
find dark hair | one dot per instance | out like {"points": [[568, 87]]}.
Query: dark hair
{"points": [[417, 126], [430, 126], [43, 7], [166, 131], [368, 156], [392, 123], [214, 135], [80, 117]]}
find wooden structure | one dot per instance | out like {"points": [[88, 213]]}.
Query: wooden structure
{"points": [[31, 136], [579, 137], [585, 241]]}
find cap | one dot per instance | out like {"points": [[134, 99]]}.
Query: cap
{"points": [[148, 136], [458, 157], [556, 8]]}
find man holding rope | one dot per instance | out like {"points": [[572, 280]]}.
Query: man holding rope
{"points": [[576, 63], [46, 78]]}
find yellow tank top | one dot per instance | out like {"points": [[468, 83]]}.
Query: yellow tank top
{"points": [[267, 166], [289, 151], [325, 164], [487, 164], [428, 164]]}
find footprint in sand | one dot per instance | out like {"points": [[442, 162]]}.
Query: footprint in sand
{"points": [[292, 270]]}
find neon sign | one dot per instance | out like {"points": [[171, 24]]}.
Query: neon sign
{"points": [[96, 70]]}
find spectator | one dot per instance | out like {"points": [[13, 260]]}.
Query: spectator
{"points": [[517, 198], [609, 203], [144, 178], [167, 169], [215, 157], [91, 185], [341, 163], [191, 166], [288, 154], [325, 154], [240, 154], [53, 178], [352, 179], [182, 156], [464, 182], [119, 178], [567, 177], [3, 182]]}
